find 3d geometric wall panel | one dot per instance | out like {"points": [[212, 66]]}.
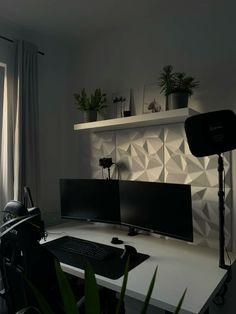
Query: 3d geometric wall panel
{"points": [[140, 153], [162, 154], [102, 145]]}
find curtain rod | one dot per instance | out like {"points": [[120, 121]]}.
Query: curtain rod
{"points": [[12, 41]]}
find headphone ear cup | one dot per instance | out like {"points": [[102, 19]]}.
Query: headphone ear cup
{"points": [[14, 209]]}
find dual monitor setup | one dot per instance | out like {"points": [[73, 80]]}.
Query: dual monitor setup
{"points": [[162, 208]]}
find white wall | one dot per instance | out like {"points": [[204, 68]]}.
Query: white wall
{"points": [[198, 41], [195, 37]]}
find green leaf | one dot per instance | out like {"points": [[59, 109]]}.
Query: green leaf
{"points": [[68, 298], [148, 296], [180, 303], [92, 304], [124, 284]]}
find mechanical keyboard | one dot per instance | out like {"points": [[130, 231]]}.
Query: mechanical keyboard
{"points": [[108, 264], [85, 248]]}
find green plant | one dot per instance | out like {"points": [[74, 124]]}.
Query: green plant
{"points": [[183, 83], [92, 303], [171, 82], [166, 80], [96, 101]]}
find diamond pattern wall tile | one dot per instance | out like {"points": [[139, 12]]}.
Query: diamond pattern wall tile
{"points": [[143, 155], [102, 145], [162, 154], [206, 213]]}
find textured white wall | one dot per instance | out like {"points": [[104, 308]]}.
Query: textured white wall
{"points": [[161, 154]]}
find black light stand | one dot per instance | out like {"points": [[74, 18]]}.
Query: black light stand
{"points": [[221, 196], [211, 134], [208, 134]]}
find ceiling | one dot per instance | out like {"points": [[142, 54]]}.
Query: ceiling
{"points": [[78, 19], [74, 19]]}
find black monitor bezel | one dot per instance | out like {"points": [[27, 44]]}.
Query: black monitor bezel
{"points": [[138, 227], [166, 234], [113, 222]]}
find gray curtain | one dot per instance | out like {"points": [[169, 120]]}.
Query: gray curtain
{"points": [[26, 159], [19, 128]]}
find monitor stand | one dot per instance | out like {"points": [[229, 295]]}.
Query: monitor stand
{"points": [[132, 231]]}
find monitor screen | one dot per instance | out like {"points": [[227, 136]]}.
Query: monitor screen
{"points": [[90, 199], [163, 208]]}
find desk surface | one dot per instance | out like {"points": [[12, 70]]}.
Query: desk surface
{"points": [[180, 266]]}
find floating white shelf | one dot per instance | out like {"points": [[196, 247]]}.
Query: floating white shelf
{"points": [[150, 119]]}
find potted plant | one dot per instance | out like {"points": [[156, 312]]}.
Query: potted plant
{"points": [[177, 87], [90, 105]]}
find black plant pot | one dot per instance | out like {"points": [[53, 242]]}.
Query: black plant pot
{"points": [[90, 115], [178, 100], [126, 113]]}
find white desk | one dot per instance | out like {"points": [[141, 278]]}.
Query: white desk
{"points": [[180, 265]]}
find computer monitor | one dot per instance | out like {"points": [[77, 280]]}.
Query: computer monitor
{"points": [[162, 208], [90, 199]]}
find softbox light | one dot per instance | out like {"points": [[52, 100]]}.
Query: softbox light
{"points": [[211, 133]]}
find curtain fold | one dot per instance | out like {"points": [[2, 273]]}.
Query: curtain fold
{"points": [[7, 140], [19, 137], [26, 160], [19, 128]]}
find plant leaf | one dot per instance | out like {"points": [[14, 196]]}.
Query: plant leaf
{"points": [[180, 302], [148, 296], [124, 284], [92, 304], [68, 298]]}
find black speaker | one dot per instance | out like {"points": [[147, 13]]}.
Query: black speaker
{"points": [[211, 133]]}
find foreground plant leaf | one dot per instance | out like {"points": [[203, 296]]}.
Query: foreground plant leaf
{"points": [[124, 284], [92, 303], [68, 298], [180, 302], [148, 296]]}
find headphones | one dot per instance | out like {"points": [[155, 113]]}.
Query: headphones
{"points": [[16, 209]]}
